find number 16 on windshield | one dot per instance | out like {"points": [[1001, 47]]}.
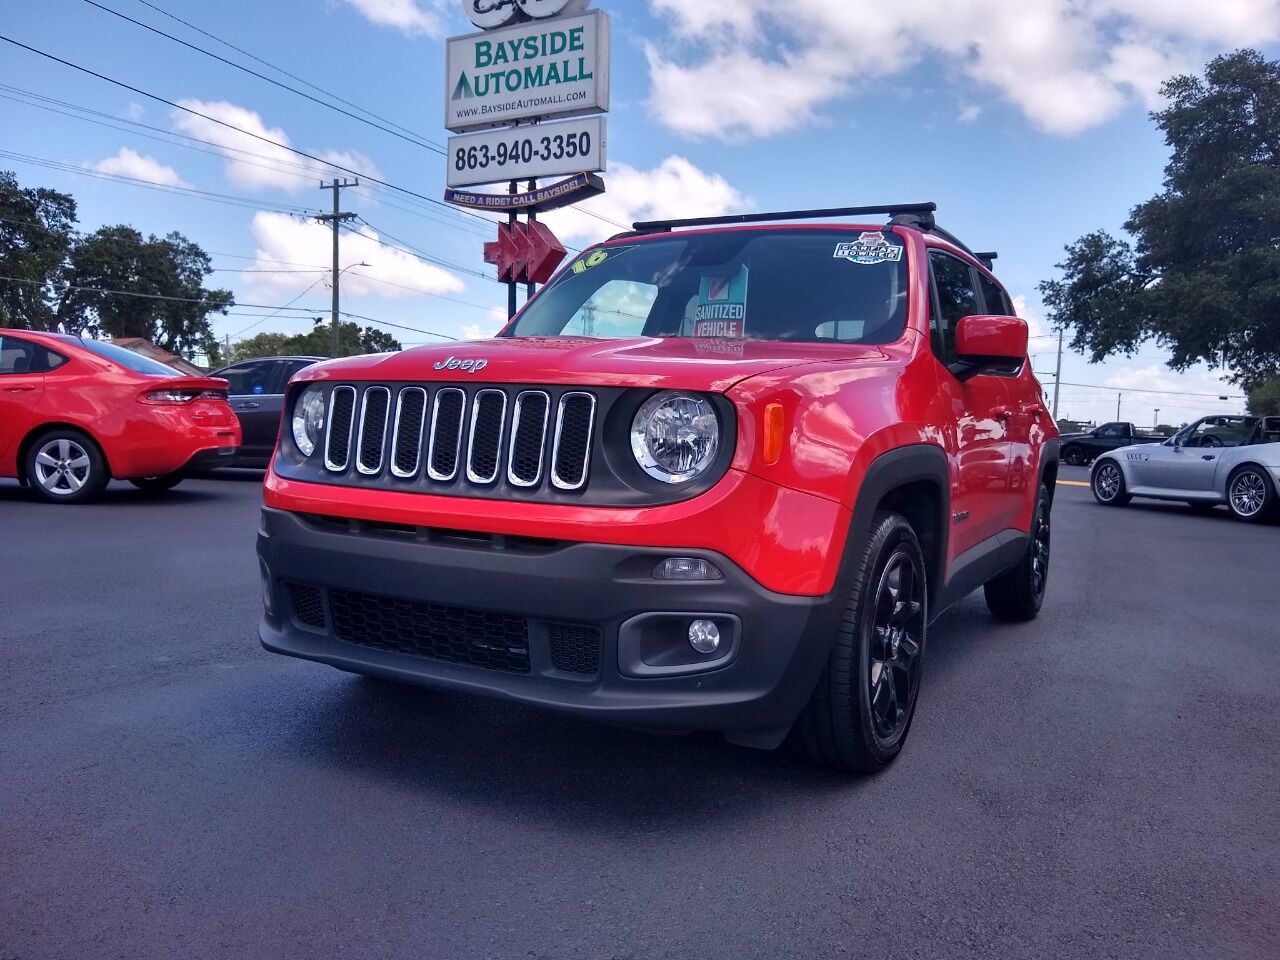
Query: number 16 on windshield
{"points": [[528, 152]]}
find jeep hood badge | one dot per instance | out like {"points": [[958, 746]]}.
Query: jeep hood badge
{"points": [[466, 366]]}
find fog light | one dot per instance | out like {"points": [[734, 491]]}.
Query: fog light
{"points": [[686, 568], [704, 636]]}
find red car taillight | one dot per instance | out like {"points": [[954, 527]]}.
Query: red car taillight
{"points": [[182, 396]]}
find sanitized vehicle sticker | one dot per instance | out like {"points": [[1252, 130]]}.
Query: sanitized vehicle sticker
{"points": [[870, 248], [722, 307]]}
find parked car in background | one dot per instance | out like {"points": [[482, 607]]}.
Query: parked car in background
{"points": [[1083, 448], [1231, 460], [74, 413], [256, 388]]}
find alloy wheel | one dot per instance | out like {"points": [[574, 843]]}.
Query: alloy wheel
{"points": [[1107, 482], [1248, 494], [897, 641], [62, 467], [1040, 550]]}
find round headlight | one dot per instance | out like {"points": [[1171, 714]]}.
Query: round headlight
{"points": [[308, 420], [675, 436]]}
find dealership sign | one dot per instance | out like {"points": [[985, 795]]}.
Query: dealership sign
{"points": [[492, 14], [527, 151], [558, 66], [561, 194]]}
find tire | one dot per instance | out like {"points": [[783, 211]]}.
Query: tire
{"points": [[1017, 595], [63, 465], [158, 484], [856, 719], [1109, 493], [1251, 497], [1073, 456]]}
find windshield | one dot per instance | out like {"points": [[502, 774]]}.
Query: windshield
{"points": [[793, 285], [130, 360], [1217, 432]]}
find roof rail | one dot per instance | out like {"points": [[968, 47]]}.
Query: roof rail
{"points": [[987, 258], [921, 210]]}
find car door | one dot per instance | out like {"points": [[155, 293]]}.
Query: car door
{"points": [[1195, 465], [981, 503], [22, 367], [256, 394]]}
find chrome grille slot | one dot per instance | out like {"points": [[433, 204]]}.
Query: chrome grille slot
{"points": [[570, 455], [484, 442], [374, 413], [446, 434], [411, 418], [528, 438], [337, 445]]}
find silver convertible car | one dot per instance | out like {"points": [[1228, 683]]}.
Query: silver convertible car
{"points": [[1231, 460]]}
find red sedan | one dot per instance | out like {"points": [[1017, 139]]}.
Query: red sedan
{"points": [[74, 413]]}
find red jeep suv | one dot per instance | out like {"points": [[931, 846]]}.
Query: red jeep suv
{"points": [[718, 474]]}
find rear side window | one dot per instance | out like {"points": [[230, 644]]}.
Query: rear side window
{"points": [[129, 360], [997, 301], [954, 297], [251, 379]]}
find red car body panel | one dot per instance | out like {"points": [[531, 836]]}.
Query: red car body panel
{"points": [[784, 523], [104, 400]]}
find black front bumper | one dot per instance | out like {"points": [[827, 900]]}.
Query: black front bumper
{"points": [[356, 595]]}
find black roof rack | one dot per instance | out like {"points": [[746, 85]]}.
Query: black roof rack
{"points": [[921, 210], [918, 215]]}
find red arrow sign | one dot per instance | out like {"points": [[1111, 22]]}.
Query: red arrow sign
{"points": [[545, 253], [525, 253]]}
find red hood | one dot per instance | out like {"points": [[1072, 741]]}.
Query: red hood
{"points": [[668, 363]]}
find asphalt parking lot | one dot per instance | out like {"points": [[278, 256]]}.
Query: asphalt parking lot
{"points": [[1101, 783]]}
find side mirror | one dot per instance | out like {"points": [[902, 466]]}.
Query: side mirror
{"points": [[985, 344]]}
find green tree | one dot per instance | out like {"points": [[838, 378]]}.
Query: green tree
{"points": [[1201, 272], [124, 285], [37, 232], [1264, 398], [353, 341]]}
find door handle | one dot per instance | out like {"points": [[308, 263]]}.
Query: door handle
{"points": [[18, 389], [248, 406], [1208, 456]]}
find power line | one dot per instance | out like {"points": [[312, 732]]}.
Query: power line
{"points": [[275, 313], [223, 198], [406, 247], [1167, 393], [280, 70], [232, 126], [153, 296], [385, 323], [436, 148]]}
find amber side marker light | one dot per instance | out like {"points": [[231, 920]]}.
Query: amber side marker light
{"points": [[774, 429]]}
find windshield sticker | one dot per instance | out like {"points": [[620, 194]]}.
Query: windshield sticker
{"points": [[722, 306], [870, 248]]}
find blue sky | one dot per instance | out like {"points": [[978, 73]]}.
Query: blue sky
{"points": [[1025, 121]]}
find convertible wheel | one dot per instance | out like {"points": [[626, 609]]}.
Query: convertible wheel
{"points": [[861, 710], [1250, 496], [1108, 486], [157, 484], [65, 466], [1073, 456], [1017, 594]]}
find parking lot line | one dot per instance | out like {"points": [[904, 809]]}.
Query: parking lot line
{"points": [[1072, 483]]}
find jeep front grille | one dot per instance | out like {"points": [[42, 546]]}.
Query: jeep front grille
{"points": [[428, 437]]}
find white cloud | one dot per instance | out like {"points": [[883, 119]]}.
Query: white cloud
{"points": [[969, 113], [755, 68], [1178, 404], [253, 163], [407, 16], [1035, 319], [282, 237], [675, 188], [135, 110], [496, 320], [129, 163]]}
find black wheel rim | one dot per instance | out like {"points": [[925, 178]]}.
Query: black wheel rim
{"points": [[1040, 550], [897, 642]]}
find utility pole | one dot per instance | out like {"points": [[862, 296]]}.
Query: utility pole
{"points": [[1156, 419], [1118, 396], [335, 219], [512, 188], [1057, 376], [533, 215]]}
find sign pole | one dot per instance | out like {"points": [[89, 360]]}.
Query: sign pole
{"points": [[533, 215], [512, 188]]}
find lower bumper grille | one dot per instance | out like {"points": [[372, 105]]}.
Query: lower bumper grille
{"points": [[575, 649], [456, 635]]}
